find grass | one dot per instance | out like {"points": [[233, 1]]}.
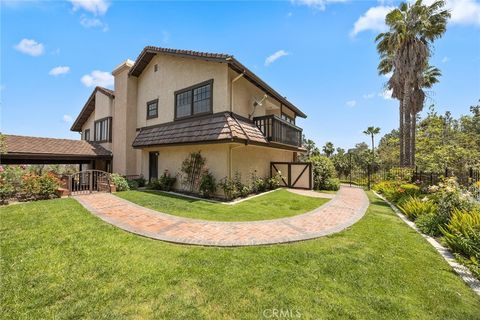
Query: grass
{"points": [[277, 204], [59, 261]]}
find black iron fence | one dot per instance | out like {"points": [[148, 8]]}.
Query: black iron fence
{"points": [[368, 175]]}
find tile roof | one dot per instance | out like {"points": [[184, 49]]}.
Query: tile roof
{"points": [[50, 146], [221, 126]]}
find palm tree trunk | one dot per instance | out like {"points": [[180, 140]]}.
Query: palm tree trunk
{"points": [[413, 138], [373, 150], [401, 133], [407, 133]]}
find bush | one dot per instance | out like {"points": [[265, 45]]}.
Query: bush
{"points": [[462, 233], [229, 188], [332, 184], [132, 184], [120, 182], [430, 224], [414, 207], [6, 190], [165, 183], [274, 182], [396, 190], [409, 189], [208, 186], [323, 169], [258, 184]]}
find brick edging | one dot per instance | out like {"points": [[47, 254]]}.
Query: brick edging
{"points": [[461, 270]]}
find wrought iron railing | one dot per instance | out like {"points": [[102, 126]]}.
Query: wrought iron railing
{"points": [[278, 130], [89, 181]]}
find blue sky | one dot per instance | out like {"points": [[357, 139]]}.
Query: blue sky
{"points": [[323, 56]]}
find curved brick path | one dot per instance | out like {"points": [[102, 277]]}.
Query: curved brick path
{"points": [[346, 208]]}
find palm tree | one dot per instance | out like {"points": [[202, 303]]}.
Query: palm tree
{"points": [[328, 149], [404, 50], [372, 131]]}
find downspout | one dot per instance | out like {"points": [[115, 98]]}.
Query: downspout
{"points": [[230, 160], [231, 88]]}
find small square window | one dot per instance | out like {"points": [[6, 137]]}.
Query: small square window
{"points": [[152, 109]]}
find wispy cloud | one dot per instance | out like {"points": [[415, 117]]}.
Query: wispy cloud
{"points": [[368, 95], [373, 19], [67, 118], [30, 47], [96, 7], [317, 4], [93, 23], [462, 11], [386, 94], [97, 78], [59, 70], [351, 103], [275, 56]]}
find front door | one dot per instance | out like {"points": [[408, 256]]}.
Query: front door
{"points": [[153, 166]]}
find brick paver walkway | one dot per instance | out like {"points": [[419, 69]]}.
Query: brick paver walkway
{"points": [[342, 211]]}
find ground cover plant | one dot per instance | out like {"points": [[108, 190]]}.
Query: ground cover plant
{"points": [[60, 261], [277, 204]]}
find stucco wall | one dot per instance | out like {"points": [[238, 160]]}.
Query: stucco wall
{"points": [[175, 73], [103, 108]]}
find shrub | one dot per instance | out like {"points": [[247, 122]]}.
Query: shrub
{"points": [[430, 223], [414, 207], [132, 184], [229, 188], [274, 182], [48, 185], [208, 186], [165, 183], [6, 190], [332, 184], [258, 184], [462, 234], [409, 189], [120, 182], [192, 168], [323, 169]]}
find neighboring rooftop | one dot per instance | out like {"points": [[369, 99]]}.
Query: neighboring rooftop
{"points": [[35, 148]]}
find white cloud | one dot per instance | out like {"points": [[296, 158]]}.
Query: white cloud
{"points": [[59, 70], [67, 118], [368, 95], [97, 78], [97, 7], [386, 94], [445, 59], [274, 57], [463, 11], [31, 47], [93, 23], [351, 103], [317, 4], [373, 19]]}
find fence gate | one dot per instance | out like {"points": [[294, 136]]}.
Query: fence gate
{"points": [[89, 181], [297, 175]]}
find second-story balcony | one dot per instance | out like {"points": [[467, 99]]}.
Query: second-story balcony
{"points": [[278, 130]]}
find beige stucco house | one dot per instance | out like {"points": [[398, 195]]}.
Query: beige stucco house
{"points": [[169, 103]]}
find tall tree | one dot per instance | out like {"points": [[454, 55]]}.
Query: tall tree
{"points": [[372, 131], [404, 51], [328, 149]]}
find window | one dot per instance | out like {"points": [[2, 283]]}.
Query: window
{"points": [[103, 130], [288, 118], [152, 109], [86, 135], [195, 100]]}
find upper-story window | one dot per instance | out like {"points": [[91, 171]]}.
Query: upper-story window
{"points": [[195, 100], [152, 109], [86, 135], [103, 130], [288, 118]]}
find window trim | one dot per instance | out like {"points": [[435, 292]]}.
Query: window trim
{"points": [[85, 134], [192, 88], [148, 104], [109, 133]]}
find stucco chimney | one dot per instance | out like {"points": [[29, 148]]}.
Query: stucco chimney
{"points": [[124, 120]]}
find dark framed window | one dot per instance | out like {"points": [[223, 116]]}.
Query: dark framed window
{"points": [[86, 135], [152, 109], [103, 130], [288, 118], [194, 100]]}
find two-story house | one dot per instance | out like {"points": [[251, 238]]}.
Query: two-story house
{"points": [[169, 103]]}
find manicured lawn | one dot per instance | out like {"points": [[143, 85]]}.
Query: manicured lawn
{"points": [[59, 261], [278, 204]]}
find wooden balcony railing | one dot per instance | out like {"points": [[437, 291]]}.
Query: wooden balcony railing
{"points": [[278, 130]]}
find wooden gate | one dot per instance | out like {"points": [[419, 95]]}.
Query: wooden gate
{"points": [[297, 175], [89, 181]]}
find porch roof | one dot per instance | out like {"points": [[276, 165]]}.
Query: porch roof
{"points": [[37, 150]]}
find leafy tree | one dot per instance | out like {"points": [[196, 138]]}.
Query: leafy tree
{"points": [[312, 149], [404, 50], [388, 151], [328, 149], [341, 162], [372, 131]]}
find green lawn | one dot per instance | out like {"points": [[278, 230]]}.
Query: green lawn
{"points": [[278, 204], [59, 261]]}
